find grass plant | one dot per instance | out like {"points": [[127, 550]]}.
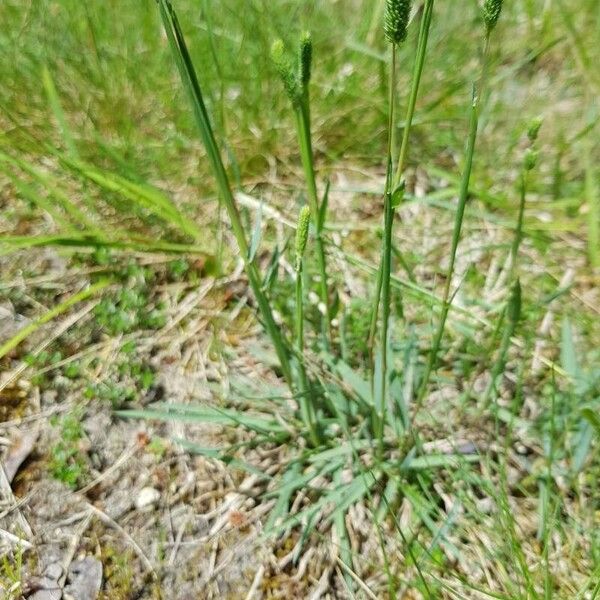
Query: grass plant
{"points": [[437, 439]]}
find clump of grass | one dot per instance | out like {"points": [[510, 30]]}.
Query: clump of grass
{"points": [[350, 436], [336, 427], [348, 419]]}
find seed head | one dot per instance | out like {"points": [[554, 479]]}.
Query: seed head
{"points": [[397, 14], [491, 13], [284, 68], [534, 129], [531, 158], [302, 234], [306, 50]]}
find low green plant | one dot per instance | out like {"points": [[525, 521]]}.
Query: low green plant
{"points": [[128, 307], [67, 462], [128, 378], [178, 269], [11, 574]]}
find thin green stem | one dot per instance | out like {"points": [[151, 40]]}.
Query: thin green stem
{"points": [[458, 221], [510, 318], [403, 154], [513, 307], [307, 409], [385, 270], [306, 153], [593, 197], [414, 92], [191, 83], [518, 238]]}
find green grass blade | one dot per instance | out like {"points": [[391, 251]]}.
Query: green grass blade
{"points": [[593, 417], [192, 85], [26, 331], [206, 414], [222, 456], [58, 112]]}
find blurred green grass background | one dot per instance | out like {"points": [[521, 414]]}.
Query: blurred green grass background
{"points": [[117, 85]]}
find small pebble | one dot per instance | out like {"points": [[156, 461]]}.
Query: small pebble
{"points": [[147, 497]]}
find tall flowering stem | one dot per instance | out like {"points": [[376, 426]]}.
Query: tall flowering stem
{"points": [[491, 13], [296, 83], [307, 408], [512, 312], [396, 22]]}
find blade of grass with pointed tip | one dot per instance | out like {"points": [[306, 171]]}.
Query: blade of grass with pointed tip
{"points": [[206, 414], [192, 85], [83, 240], [54, 312], [222, 456], [281, 508], [58, 112]]}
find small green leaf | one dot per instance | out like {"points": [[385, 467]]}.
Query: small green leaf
{"points": [[206, 414], [593, 418], [256, 234], [398, 195], [222, 456], [324, 205], [359, 386], [441, 461], [568, 355]]}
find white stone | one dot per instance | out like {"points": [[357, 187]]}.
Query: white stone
{"points": [[147, 497]]}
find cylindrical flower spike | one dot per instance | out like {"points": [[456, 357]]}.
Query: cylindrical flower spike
{"points": [[531, 159], [534, 129], [305, 59], [302, 235], [290, 81], [491, 13], [397, 15]]}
